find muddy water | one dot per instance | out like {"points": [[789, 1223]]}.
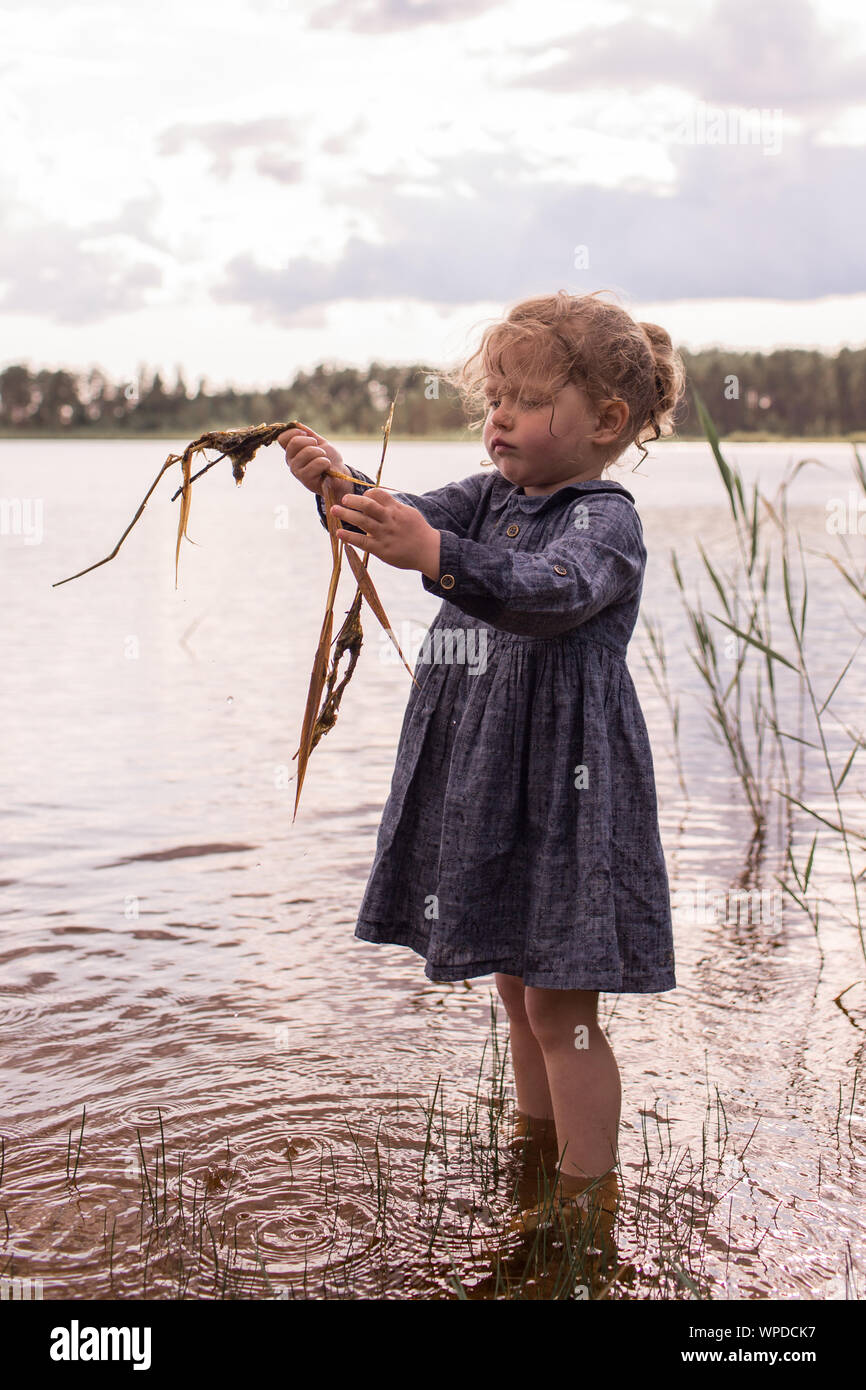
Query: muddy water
{"points": [[174, 947]]}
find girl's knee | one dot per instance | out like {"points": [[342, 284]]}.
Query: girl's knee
{"points": [[511, 992], [554, 1014]]}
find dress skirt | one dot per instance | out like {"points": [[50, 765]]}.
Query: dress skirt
{"points": [[520, 834]]}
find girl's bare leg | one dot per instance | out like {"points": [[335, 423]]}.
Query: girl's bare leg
{"points": [[530, 1071], [583, 1078]]}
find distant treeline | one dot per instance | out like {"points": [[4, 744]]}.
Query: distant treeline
{"points": [[790, 393]]}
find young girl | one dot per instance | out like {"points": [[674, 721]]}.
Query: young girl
{"points": [[520, 836]]}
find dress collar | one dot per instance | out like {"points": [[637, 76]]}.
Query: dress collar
{"points": [[502, 492]]}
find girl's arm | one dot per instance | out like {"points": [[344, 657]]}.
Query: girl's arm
{"points": [[450, 508], [547, 592]]}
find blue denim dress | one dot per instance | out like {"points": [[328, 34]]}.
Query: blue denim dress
{"points": [[521, 829]]}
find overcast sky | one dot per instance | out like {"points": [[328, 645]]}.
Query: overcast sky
{"points": [[243, 189]]}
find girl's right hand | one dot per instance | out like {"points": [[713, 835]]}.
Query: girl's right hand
{"points": [[310, 457]]}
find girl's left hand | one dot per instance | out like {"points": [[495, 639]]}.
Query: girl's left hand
{"points": [[397, 534]]}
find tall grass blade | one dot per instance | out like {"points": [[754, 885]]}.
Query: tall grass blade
{"points": [[762, 646], [710, 431]]}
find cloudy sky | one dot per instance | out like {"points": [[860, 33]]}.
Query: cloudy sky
{"points": [[244, 189]]}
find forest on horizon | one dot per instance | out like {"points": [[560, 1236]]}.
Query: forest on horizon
{"points": [[793, 393]]}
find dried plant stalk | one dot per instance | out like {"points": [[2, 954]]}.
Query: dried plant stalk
{"points": [[240, 446], [349, 637], [310, 725]]}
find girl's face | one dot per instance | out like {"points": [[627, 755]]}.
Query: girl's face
{"points": [[540, 444]]}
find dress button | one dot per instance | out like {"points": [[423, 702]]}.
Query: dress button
{"points": [[512, 530], [560, 569], [447, 581]]}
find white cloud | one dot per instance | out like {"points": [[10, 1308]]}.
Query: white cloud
{"points": [[75, 275], [775, 54], [388, 16], [259, 174], [740, 224]]}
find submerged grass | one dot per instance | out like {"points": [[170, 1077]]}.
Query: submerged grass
{"points": [[423, 1208]]}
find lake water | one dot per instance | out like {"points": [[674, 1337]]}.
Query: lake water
{"points": [[171, 939]]}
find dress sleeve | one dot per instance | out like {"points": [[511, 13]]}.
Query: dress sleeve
{"points": [[597, 561], [451, 508]]}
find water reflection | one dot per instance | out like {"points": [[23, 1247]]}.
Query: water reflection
{"points": [[178, 957]]}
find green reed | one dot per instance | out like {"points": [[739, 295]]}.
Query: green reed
{"points": [[750, 605], [71, 1178]]}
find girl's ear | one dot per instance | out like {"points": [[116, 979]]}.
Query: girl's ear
{"points": [[612, 419]]}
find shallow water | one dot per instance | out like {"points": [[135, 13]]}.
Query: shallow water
{"points": [[172, 941]]}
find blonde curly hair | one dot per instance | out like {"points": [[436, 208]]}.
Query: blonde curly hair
{"points": [[545, 342]]}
